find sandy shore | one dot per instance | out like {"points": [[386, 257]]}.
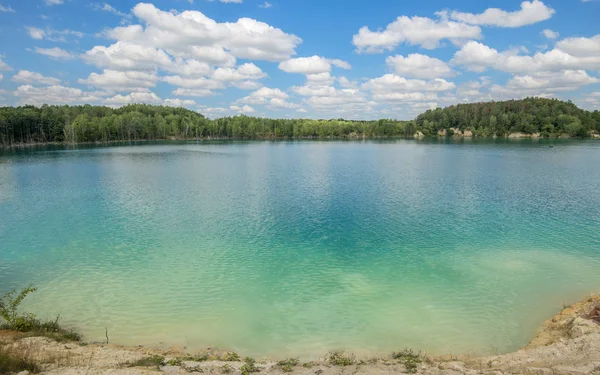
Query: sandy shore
{"points": [[569, 343]]}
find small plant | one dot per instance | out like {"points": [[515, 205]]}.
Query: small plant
{"points": [[152, 361], [198, 358], [308, 364], [174, 362], [288, 365], [9, 305], [341, 359], [249, 366], [13, 363], [226, 369], [410, 359], [230, 357]]}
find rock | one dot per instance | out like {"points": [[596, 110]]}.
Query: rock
{"points": [[23, 373]]}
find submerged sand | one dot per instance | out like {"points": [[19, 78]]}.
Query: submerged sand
{"points": [[569, 343]]}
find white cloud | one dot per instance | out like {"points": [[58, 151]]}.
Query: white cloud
{"points": [[1, 77], [127, 56], [311, 65], [51, 34], [25, 76], [247, 71], [245, 109], [569, 54], [176, 102], [266, 5], [56, 94], [113, 80], [192, 92], [531, 12], [4, 66], [56, 53], [545, 81], [393, 88], [54, 2], [550, 34], [194, 83], [422, 31], [180, 34], [110, 9], [274, 98], [419, 66], [8, 9], [133, 98], [189, 68], [35, 33]]}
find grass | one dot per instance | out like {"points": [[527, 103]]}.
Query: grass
{"points": [[11, 362], [341, 359], [287, 365], [29, 323], [410, 359], [230, 357], [249, 366], [152, 361], [226, 369]]}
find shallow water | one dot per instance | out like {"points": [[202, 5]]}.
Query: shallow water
{"points": [[298, 248]]}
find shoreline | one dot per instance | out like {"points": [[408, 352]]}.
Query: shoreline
{"points": [[457, 135], [568, 343]]}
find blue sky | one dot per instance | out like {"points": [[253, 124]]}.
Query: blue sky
{"points": [[298, 58]]}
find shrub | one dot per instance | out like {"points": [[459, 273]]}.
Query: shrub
{"points": [[11, 362], [249, 366], [410, 359], [341, 359], [287, 365]]}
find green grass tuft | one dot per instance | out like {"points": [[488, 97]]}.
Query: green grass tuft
{"points": [[287, 365], [230, 357], [152, 361], [249, 366], [341, 359], [410, 359]]}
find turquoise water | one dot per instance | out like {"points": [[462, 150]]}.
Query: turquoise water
{"points": [[298, 248]]}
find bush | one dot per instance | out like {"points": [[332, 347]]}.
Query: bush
{"points": [[410, 359], [341, 359], [288, 364], [249, 366], [9, 305]]}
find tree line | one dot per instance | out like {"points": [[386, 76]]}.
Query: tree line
{"points": [[87, 123]]}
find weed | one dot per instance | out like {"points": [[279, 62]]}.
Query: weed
{"points": [[153, 361], [226, 369], [287, 365], [308, 364], [410, 359], [249, 366], [28, 323], [197, 358], [11, 362], [174, 362], [230, 357], [341, 359]]}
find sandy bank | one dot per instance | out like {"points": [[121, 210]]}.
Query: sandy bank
{"points": [[569, 343]]}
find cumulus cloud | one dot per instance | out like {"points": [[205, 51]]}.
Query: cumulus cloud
{"points": [[550, 34], [55, 53], [53, 2], [56, 94], [569, 54], [531, 12], [273, 98], [422, 31], [105, 7], [134, 97], [180, 33], [128, 56], [114, 80], [419, 66], [26, 76], [192, 92], [393, 88], [244, 109], [312, 65]]}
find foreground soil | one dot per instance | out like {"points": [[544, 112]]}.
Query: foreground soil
{"points": [[569, 343]]}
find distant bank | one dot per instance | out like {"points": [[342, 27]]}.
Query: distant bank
{"points": [[526, 118]]}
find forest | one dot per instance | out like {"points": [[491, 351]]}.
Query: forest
{"points": [[87, 123]]}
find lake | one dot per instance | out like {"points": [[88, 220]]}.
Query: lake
{"points": [[298, 248]]}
